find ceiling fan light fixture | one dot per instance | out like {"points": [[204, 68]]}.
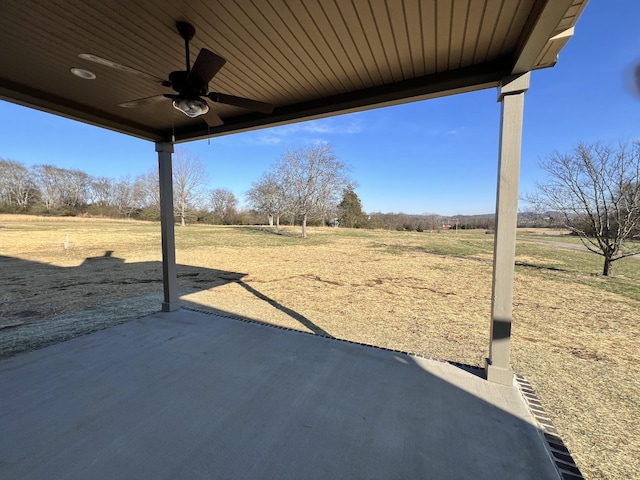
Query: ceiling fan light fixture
{"points": [[191, 107]]}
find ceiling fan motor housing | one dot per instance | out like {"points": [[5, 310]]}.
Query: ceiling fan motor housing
{"points": [[179, 81]]}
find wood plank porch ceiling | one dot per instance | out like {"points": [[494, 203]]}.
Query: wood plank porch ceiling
{"points": [[310, 58]]}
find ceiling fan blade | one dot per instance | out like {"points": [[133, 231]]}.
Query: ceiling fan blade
{"points": [[212, 118], [254, 105], [142, 101], [207, 64], [123, 68]]}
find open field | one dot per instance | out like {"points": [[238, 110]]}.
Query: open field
{"points": [[575, 333]]}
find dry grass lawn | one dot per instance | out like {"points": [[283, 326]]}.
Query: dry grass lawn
{"points": [[575, 334]]}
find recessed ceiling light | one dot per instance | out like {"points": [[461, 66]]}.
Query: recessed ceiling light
{"points": [[109, 63], [82, 73]]}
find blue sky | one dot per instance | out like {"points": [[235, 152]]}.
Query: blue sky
{"points": [[436, 156]]}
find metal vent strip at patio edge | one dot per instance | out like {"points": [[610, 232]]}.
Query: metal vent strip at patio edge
{"points": [[559, 453]]}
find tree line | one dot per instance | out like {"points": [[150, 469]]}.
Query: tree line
{"points": [[306, 186], [51, 190], [302, 188]]}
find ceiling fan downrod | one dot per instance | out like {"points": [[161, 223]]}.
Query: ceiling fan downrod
{"points": [[186, 31]]}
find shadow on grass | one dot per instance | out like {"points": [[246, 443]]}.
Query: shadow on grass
{"points": [[540, 267], [292, 313], [270, 231], [44, 300], [464, 252]]}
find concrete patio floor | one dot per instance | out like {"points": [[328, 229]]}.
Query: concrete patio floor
{"points": [[188, 395]]}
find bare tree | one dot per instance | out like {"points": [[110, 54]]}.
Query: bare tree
{"points": [[148, 185], [49, 179], [102, 192], [268, 196], [128, 196], [189, 176], [16, 184], [595, 191], [61, 187], [313, 178], [75, 187], [224, 204]]}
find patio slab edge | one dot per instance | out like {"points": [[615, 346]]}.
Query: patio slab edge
{"points": [[558, 452], [473, 369]]}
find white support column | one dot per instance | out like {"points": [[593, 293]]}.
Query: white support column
{"points": [[511, 94], [169, 277]]}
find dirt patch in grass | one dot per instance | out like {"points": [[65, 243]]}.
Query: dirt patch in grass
{"points": [[575, 335]]}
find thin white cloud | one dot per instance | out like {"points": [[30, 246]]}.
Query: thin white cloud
{"points": [[317, 126], [443, 132], [323, 126], [267, 139], [313, 131]]}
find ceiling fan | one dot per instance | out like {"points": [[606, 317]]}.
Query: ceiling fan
{"points": [[191, 85]]}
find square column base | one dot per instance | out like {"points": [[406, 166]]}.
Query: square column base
{"points": [[500, 375], [170, 306]]}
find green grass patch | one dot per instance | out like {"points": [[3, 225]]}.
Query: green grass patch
{"points": [[465, 244], [579, 266]]}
